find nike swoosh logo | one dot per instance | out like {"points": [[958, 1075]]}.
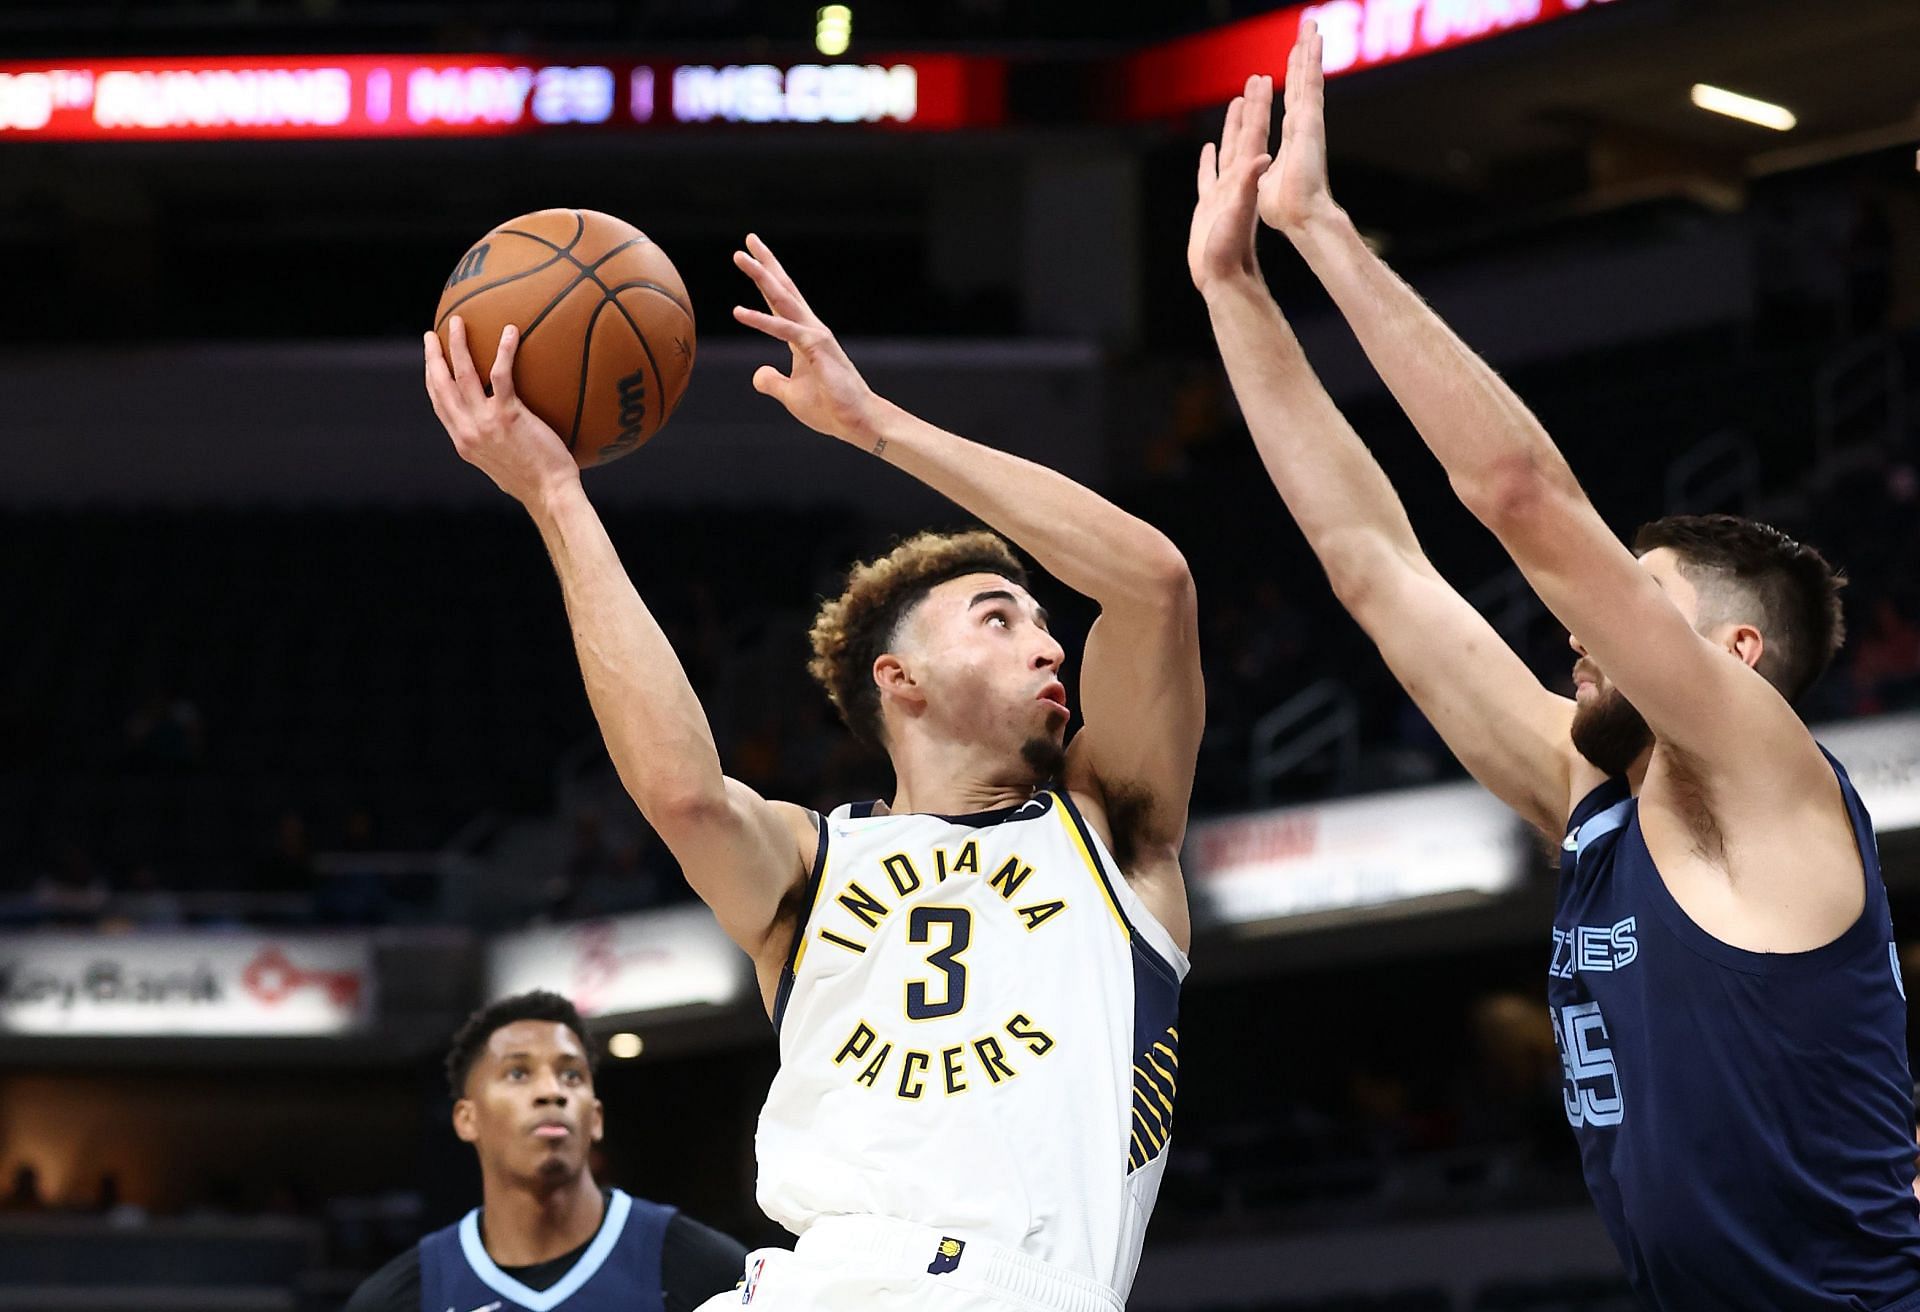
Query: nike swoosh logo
{"points": [[494, 1306]]}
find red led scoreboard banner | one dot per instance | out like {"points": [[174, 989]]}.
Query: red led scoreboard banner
{"points": [[477, 95], [1210, 68]]}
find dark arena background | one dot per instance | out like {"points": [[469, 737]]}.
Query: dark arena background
{"points": [[296, 768]]}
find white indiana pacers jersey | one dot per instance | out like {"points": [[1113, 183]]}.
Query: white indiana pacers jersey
{"points": [[978, 1034]]}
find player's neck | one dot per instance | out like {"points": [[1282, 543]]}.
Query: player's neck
{"points": [[521, 1225], [1637, 772], [934, 778]]}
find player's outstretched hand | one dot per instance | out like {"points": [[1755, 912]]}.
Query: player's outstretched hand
{"points": [[493, 430], [823, 390], [1294, 190], [1220, 242]]}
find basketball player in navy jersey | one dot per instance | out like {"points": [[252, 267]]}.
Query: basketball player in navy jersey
{"points": [[974, 982], [546, 1237], [1724, 989]]}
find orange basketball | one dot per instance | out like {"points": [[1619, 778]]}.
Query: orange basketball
{"points": [[606, 329]]}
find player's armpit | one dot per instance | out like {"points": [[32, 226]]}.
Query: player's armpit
{"points": [[1143, 703], [1144, 707], [1494, 716]]}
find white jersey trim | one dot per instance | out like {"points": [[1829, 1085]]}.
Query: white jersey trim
{"points": [[544, 1300]]}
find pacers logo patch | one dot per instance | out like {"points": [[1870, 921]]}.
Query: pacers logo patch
{"points": [[946, 1257]]}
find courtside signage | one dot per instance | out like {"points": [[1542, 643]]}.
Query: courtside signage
{"points": [[1882, 756], [1355, 853], [1419, 843], [625, 965], [185, 984], [1207, 69], [372, 96]]}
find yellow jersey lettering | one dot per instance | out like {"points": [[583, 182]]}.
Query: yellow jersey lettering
{"points": [[950, 1063], [872, 1072], [899, 868], [864, 905], [871, 1056], [846, 943], [909, 1088], [1008, 878], [1039, 913], [969, 862], [1038, 1041], [993, 1059], [857, 1043]]}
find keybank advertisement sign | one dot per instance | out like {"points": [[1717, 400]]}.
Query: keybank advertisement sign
{"points": [[185, 984]]}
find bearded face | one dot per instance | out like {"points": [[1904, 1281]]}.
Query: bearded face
{"points": [[1607, 730], [1047, 757]]}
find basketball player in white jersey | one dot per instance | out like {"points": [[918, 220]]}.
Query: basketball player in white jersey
{"points": [[975, 982]]}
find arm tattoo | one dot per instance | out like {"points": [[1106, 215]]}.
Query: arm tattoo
{"points": [[880, 446]]}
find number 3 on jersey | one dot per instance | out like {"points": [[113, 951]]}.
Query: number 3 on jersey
{"points": [[1592, 1092], [958, 922]]}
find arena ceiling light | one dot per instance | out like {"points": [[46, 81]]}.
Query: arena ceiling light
{"points": [[1719, 100], [625, 1045], [832, 30]]}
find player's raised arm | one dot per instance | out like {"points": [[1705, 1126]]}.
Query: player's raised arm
{"points": [[741, 853], [1510, 732], [1701, 696], [1141, 692]]}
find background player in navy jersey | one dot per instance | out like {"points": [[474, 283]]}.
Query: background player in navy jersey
{"points": [[1725, 992], [546, 1236]]}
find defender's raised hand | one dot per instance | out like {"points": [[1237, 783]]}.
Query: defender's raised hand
{"points": [[491, 428], [1220, 242], [823, 390], [1294, 190]]}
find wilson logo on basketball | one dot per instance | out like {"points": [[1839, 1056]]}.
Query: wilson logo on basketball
{"points": [[633, 414], [471, 265]]}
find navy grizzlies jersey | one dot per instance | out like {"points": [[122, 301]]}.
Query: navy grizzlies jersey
{"points": [[1745, 1119], [619, 1272]]}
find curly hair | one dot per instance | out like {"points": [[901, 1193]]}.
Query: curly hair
{"points": [[540, 1004], [854, 629], [1793, 590]]}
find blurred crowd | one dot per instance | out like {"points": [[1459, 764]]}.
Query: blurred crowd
{"points": [[278, 758]]}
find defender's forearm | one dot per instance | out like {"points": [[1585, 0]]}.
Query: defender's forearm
{"points": [[1332, 486], [1483, 435]]}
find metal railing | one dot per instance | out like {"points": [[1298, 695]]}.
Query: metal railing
{"points": [[1320, 723], [1719, 473], [1859, 401]]}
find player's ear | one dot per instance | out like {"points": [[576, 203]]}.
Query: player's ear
{"points": [[1746, 643], [599, 1130], [466, 1120], [895, 678]]}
